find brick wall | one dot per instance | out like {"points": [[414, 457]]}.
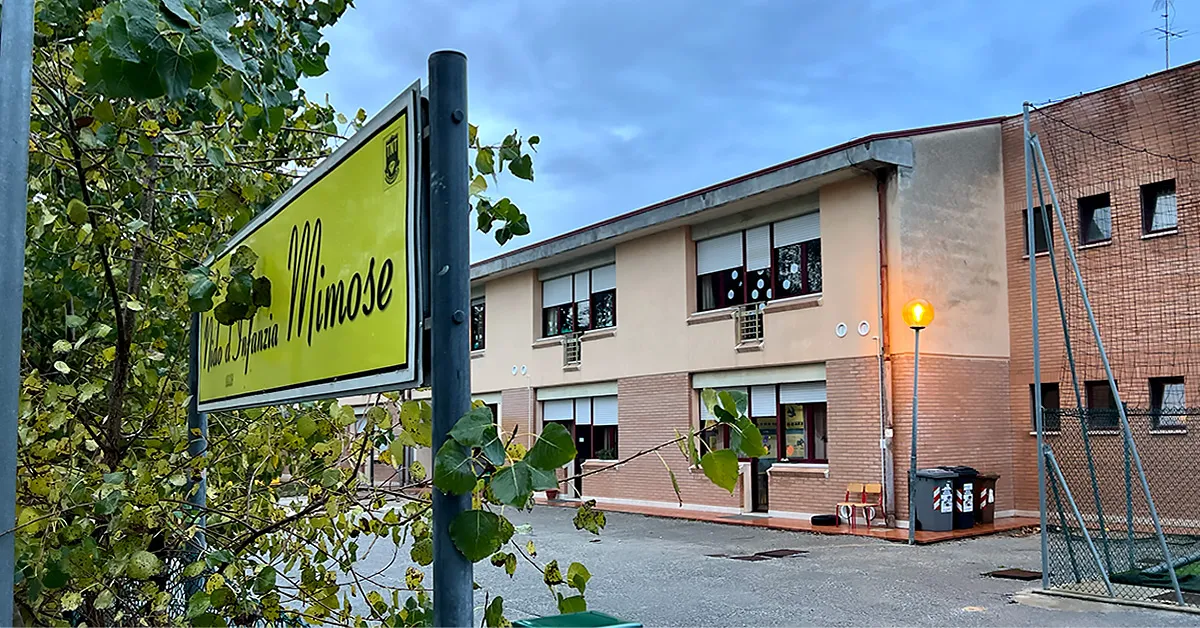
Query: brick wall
{"points": [[651, 409], [852, 415], [1145, 291], [964, 419]]}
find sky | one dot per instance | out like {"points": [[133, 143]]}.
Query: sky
{"points": [[637, 101]]}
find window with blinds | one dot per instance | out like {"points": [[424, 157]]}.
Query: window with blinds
{"points": [[580, 301], [592, 421], [789, 416], [772, 261]]}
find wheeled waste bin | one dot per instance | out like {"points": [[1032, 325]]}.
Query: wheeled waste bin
{"points": [[985, 498], [964, 496], [934, 506], [586, 619]]}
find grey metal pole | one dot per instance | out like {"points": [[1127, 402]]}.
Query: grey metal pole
{"points": [[1037, 352], [1087, 536], [450, 253], [197, 425], [16, 59], [912, 454], [1112, 382]]}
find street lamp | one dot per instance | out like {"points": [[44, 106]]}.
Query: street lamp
{"points": [[917, 314]]}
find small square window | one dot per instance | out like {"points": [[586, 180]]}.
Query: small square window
{"points": [[1101, 406], [1159, 211], [1167, 402], [1095, 218], [1041, 239], [1051, 419]]}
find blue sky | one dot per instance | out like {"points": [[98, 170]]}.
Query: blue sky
{"points": [[638, 101]]}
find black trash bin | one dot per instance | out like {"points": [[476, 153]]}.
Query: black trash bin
{"points": [[985, 498], [964, 496], [934, 508]]}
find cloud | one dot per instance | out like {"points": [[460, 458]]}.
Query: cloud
{"points": [[639, 101]]}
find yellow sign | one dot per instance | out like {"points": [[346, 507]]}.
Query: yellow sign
{"points": [[339, 249]]}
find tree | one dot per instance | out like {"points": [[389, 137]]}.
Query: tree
{"points": [[158, 129]]}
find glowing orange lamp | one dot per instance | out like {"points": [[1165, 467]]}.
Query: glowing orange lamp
{"points": [[918, 313]]}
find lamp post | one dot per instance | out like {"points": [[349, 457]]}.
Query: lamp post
{"points": [[917, 314]]}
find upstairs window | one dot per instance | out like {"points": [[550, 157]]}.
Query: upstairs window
{"points": [[1159, 211], [580, 301], [767, 262], [1041, 239], [1095, 219], [1167, 404], [1051, 406], [478, 318], [1102, 406]]}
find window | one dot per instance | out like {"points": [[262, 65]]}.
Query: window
{"points": [[773, 261], [579, 302], [1167, 404], [592, 420], [791, 418], [1102, 406], [477, 324], [1095, 219], [1041, 239], [1051, 420], [1159, 211]]}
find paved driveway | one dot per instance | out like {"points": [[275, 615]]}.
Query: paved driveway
{"points": [[657, 571]]}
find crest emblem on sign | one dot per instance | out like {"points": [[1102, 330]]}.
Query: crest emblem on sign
{"points": [[391, 161]]}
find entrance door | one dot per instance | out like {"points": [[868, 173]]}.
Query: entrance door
{"points": [[769, 427]]}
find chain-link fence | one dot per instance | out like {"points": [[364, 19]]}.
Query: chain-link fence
{"points": [[1099, 475]]}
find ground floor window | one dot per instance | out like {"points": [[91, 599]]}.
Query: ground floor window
{"points": [[592, 422], [790, 417]]}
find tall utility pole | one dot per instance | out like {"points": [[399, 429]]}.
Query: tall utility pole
{"points": [[1166, 33], [16, 61], [449, 270]]}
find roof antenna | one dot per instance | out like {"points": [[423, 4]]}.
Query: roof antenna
{"points": [[1166, 33]]}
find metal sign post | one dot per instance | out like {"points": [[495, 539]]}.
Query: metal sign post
{"points": [[16, 60], [449, 269]]}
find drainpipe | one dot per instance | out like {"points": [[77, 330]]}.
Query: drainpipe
{"points": [[884, 355]]}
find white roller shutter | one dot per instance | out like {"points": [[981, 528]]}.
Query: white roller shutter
{"points": [[583, 286], [798, 229], [758, 248], [762, 401], [556, 291], [583, 411], [720, 253], [604, 278], [802, 392], [604, 410], [558, 410]]}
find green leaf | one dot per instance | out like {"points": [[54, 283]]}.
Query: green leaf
{"points": [[201, 290], [484, 219], [103, 110], [305, 426], [175, 71], [478, 185], [520, 226], [56, 577], [422, 552], [243, 259], [261, 292], [542, 479], [573, 604], [216, 32], [493, 614], [134, 305], [215, 156], [114, 478], [522, 167], [116, 35], [453, 470], [74, 321], [198, 603], [241, 288], [176, 9], [228, 312], [485, 161], [513, 485], [721, 466], [746, 439], [108, 505], [553, 449], [61, 346], [533, 141], [77, 211], [219, 557], [476, 533], [578, 576], [588, 518], [141, 21], [264, 581], [471, 428], [105, 599], [551, 574], [733, 401]]}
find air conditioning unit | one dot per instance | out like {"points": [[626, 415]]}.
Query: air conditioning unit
{"points": [[572, 349], [749, 319]]}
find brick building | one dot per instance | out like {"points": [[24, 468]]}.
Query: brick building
{"points": [[787, 283]]}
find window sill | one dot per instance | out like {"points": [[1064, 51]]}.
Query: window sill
{"points": [[794, 303], [552, 341], [1159, 234], [597, 334], [1095, 245], [600, 462], [1105, 432], [1042, 254], [813, 469], [1167, 431], [478, 353], [1046, 433], [571, 368], [749, 347], [709, 316]]}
